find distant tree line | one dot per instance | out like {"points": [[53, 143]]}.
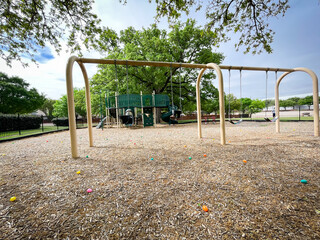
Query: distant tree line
{"points": [[17, 97], [250, 106]]}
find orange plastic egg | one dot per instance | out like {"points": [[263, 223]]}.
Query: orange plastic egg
{"points": [[204, 155], [205, 208], [244, 161]]}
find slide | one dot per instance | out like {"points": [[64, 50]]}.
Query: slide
{"points": [[100, 123], [166, 117]]}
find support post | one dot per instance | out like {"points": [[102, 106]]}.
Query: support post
{"points": [[221, 102], [142, 113], [71, 110], [42, 123], [135, 116], [315, 98], [117, 110], [19, 124], [154, 108], [88, 102], [107, 112]]}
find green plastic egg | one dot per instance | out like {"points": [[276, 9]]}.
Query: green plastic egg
{"points": [[304, 181]]}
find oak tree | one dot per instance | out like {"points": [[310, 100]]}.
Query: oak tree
{"points": [[185, 43]]}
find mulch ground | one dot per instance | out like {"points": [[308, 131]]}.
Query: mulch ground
{"points": [[145, 186]]}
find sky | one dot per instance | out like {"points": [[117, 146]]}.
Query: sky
{"points": [[296, 44]]}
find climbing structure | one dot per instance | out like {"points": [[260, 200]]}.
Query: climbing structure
{"points": [[141, 106]]}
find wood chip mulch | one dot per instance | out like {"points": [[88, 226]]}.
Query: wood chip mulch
{"points": [[151, 183]]}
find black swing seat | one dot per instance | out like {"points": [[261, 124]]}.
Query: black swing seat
{"points": [[273, 120], [232, 122]]}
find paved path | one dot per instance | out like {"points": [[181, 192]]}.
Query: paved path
{"points": [[282, 114]]}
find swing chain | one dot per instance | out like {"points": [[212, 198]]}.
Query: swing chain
{"points": [[180, 86], [241, 94], [266, 104], [171, 85], [127, 84], [115, 65], [229, 95]]}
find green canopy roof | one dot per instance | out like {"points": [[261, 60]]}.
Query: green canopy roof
{"points": [[134, 100]]}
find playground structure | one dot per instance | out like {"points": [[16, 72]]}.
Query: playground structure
{"points": [[129, 108], [203, 67]]}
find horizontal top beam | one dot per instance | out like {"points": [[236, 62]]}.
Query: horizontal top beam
{"points": [[175, 64]]}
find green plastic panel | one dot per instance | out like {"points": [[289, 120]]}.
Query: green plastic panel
{"points": [[134, 100]]}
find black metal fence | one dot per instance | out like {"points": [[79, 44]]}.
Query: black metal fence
{"points": [[16, 129]]}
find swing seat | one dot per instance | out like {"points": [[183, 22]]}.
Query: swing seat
{"points": [[273, 120], [232, 122], [240, 121]]}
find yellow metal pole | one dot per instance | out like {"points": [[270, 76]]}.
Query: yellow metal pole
{"points": [[174, 64], [315, 98], [276, 99], [88, 102], [71, 110], [221, 102]]}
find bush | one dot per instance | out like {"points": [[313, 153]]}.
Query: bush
{"points": [[16, 122], [60, 121]]}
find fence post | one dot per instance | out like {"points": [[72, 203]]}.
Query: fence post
{"points": [[57, 123], [42, 123], [19, 124]]}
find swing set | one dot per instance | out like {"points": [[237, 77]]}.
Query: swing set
{"points": [[241, 107], [203, 67]]}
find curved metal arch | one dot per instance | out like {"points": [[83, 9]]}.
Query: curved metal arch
{"points": [[221, 101], [315, 98], [71, 108]]}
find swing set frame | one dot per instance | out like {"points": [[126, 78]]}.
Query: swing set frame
{"points": [[203, 67]]}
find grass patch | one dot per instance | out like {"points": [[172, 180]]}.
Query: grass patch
{"points": [[15, 134], [30, 132]]}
